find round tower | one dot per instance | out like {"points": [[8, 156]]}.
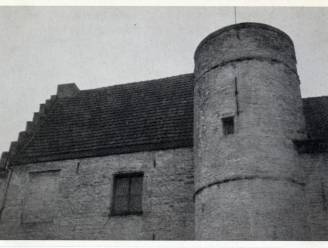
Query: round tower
{"points": [[248, 110]]}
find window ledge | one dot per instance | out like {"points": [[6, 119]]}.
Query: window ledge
{"points": [[126, 213]]}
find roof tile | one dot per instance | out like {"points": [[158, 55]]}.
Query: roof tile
{"points": [[147, 115]]}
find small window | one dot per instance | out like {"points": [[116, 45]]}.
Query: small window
{"points": [[228, 125], [127, 195]]}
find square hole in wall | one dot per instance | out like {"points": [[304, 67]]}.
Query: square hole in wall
{"points": [[228, 125]]}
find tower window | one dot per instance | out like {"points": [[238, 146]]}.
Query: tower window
{"points": [[127, 194], [228, 125]]}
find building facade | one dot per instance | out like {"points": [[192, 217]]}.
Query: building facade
{"points": [[229, 152]]}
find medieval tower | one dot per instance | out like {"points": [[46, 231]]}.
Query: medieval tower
{"points": [[248, 111], [229, 152]]}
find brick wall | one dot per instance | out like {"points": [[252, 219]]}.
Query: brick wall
{"points": [[71, 199]]}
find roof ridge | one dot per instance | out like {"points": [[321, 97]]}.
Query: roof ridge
{"points": [[139, 82]]}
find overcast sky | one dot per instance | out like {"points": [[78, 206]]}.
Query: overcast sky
{"points": [[41, 47]]}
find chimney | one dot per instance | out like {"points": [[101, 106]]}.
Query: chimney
{"points": [[67, 90]]}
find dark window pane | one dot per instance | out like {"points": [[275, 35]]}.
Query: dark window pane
{"points": [[122, 186], [135, 203], [136, 185], [121, 204]]}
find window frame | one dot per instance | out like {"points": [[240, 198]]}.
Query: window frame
{"points": [[128, 175]]}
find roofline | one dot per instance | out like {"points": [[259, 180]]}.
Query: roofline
{"points": [[313, 97], [241, 25], [143, 81], [187, 143]]}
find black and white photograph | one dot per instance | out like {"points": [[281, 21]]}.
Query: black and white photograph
{"points": [[164, 123]]}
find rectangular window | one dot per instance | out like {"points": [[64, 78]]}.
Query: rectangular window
{"points": [[127, 194], [228, 125]]}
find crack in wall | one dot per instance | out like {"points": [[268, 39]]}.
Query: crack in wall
{"points": [[236, 96], [77, 171], [323, 196]]}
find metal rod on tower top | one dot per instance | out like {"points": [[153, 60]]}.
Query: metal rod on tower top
{"points": [[235, 11]]}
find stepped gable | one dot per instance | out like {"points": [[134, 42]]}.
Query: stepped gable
{"points": [[25, 137], [148, 115]]}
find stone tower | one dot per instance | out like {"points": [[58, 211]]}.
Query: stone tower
{"points": [[247, 112]]}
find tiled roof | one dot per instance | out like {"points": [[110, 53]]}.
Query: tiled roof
{"points": [[148, 115], [132, 117], [316, 117]]}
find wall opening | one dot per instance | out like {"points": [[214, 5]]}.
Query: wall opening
{"points": [[228, 125]]}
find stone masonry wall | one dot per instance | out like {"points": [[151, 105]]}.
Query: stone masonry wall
{"points": [[248, 184], [316, 191], [71, 199]]}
